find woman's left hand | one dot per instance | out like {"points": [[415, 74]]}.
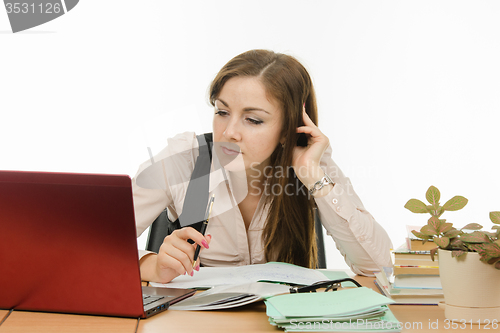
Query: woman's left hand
{"points": [[306, 160]]}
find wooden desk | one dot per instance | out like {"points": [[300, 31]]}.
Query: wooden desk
{"points": [[3, 313], [41, 322], [251, 318]]}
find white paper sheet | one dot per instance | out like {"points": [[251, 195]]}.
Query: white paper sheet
{"points": [[209, 277]]}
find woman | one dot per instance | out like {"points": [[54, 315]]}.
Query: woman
{"points": [[263, 101]]}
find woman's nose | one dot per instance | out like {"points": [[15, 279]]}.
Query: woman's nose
{"points": [[232, 132]]}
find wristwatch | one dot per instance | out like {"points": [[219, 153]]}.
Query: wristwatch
{"points": [[321, 183]]}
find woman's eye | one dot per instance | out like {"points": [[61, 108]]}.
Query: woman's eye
{"points": [[255, 121], [252, 121], [221, 113]]}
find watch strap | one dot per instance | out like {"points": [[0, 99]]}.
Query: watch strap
{"points": [[325, 180]]}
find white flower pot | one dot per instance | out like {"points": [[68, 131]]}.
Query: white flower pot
{"points": [[471, 288]]}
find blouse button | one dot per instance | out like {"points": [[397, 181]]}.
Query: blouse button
{"points": [[361, 238], [338, 209], [335, 201]]}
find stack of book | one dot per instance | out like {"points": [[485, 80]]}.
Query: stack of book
{"points": [[414, 278], [411, 261], [410, 289]]}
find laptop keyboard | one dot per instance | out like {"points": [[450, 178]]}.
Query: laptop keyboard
{"points": [[148, 299]]}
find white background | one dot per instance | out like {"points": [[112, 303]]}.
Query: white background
{"points": [[408, 91]]}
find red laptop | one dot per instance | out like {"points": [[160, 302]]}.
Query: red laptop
{"points": [[68, 244]]}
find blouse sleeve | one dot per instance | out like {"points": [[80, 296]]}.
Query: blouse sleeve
{"points": [[159, 181], [363, 243]]}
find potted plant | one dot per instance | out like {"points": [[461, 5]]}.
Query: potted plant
{"points": [[469, 260]]}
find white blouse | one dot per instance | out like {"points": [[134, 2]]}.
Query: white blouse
{"points": [[163, 181]]}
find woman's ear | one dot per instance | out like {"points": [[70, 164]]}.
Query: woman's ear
{"points": [[282, 141]]}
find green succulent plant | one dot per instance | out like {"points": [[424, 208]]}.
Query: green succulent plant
{"points": [[446, 237]]}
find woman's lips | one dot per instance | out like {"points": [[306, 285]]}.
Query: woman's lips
{"points": [[228, 151]]}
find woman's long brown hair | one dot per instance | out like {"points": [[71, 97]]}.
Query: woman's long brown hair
{"points": [[289, 234]]}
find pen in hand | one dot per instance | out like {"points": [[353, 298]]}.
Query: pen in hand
{"points": [[204, 228]]}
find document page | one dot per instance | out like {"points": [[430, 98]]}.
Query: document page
{"points": [[209, 277]]}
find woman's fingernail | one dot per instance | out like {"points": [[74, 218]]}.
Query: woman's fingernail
{"points": [[205, 244], [192, 273], [197, 268]]}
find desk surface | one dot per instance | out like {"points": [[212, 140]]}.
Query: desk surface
{"points": [[40, 322], [3, 313], [251, 318]]}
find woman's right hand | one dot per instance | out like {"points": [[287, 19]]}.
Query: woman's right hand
{"points": [[175, 256]]}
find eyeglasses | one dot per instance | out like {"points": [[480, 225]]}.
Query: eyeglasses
{"points": [[332, 285]]}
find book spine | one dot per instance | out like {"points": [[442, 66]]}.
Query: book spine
{"points": [[415, 262], [411, 252], [382, 291], [416, 270]]}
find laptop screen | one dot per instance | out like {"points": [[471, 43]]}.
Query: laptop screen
{"points": [[68, 244]]}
